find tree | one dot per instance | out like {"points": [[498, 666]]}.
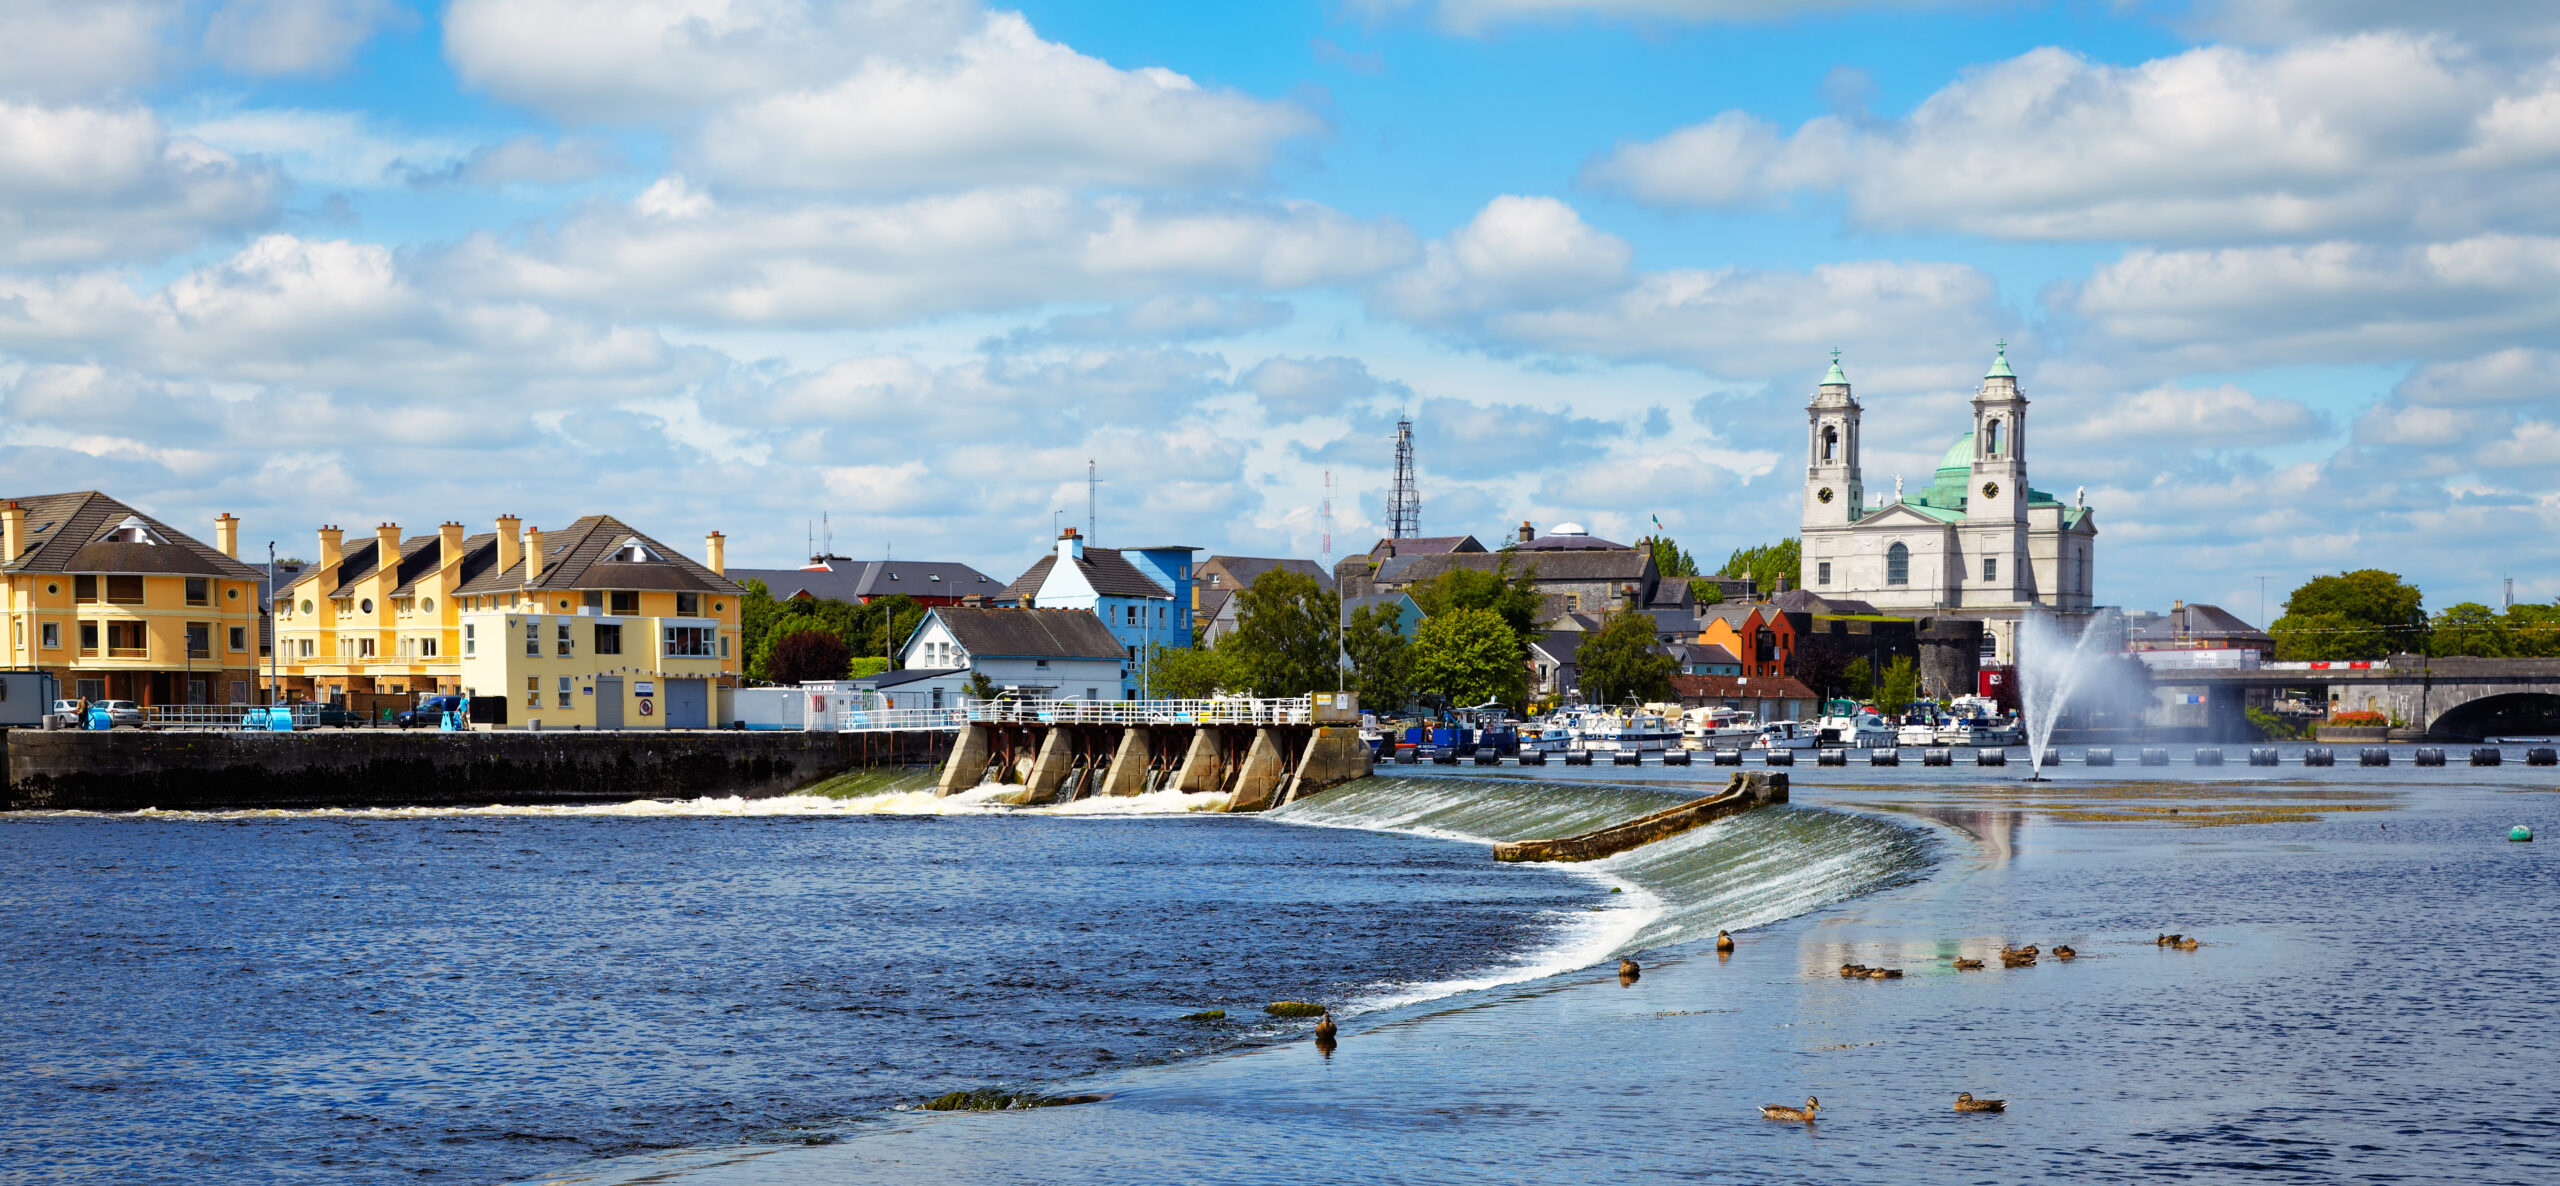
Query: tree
{"points": [[2365, 614], [2470, 628], [1619, 662], [1381, 656], [1284, 641], [1470, 656], [1673, 564], [1188, 673], [980, 687], [874, 630], [806, 655], [1511, 596], [1766, 563], [1900, 685]]}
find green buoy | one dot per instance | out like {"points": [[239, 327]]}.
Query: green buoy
{"points": [[2519, 832]]}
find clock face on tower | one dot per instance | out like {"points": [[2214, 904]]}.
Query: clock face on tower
{"points": [[1823, 494], [1991, 489]]}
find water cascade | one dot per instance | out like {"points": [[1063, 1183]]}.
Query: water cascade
{"points": [[2051, 666]]}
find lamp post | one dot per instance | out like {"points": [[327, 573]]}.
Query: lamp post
{"points": [[274, 644]]}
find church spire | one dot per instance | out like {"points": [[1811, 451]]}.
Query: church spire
{"points": [[1836, 375], [2000, 364]]}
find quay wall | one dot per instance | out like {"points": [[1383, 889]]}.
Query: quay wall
{"points": [[128, 769]]}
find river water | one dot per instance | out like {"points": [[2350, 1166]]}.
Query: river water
{"points": [[727, 992]]}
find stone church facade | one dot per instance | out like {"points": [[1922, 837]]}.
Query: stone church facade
{"points": [[1977, 542]]}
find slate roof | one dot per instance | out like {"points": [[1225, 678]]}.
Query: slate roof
{"points": [[1110, 574], [1564, 543], [576, 558], [1804, 601], [1559, 646], [2194, 623], [1694, 688], [65, 534], [1424, 545], [1030, 633], [1622, 565], [1241, 571], [855, 580], [1702, 652]]}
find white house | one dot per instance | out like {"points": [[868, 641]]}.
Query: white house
{"points": [[1141, 595], [1060, 653]]}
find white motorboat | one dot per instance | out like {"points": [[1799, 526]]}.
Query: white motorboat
{"points": [[1634, 732], [1785, 735], [1864, 730], [1920, 731], [1553, 735], [1978, 721], [1717, 728]]}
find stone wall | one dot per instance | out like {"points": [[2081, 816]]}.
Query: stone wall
{"points": [[127, 769]]}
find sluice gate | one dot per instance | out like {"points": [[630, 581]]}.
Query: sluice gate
{"points": [[1258, 753]]}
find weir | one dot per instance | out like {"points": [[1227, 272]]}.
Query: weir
{"points": [[1259, 753], [1741, 793]]}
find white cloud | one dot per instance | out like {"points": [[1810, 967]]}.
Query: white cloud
{"points": [[2512, 376], [332, 148], [1476, 16], [2531, 446], [276, 37], [2274, 22], [1170, 318], [530, 160], [2391, 423], [2378, 132], [1291, 389], [67, 48], [1518, 252], [2220, 417], [84, 183], [678, 253]]}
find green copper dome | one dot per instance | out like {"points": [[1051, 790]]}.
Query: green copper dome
{"points": [[1836, 375], [1959, 458], [2000, 365]]}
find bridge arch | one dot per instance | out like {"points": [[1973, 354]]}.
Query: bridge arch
{"points": [[2500, 715]]}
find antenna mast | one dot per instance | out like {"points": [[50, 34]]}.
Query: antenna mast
{"points": [[1088, 500], [1404, 503]]}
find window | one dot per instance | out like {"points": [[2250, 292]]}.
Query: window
{"points": [[1897, 565], [84, 589], [1093, 693], [533, 640], [564, 691], [724, 646], [1990, 568], [533, 691], [365, 606], [689, 642], [1133, 654], [2084, 572], [199, 640], [1132, 619], [199, 591], [1040, 664], [626, 604], [93, 689], [688, 605], [635, 552], [470, 640], [427, 648], [306, 648], [124, 590], [88, 638], [239, 638], [1830, 443], [592, 599], [52, 636], [1990, 646], [1822, 574], [239, 691], [608, 639], [127, 640], [565, 649]]}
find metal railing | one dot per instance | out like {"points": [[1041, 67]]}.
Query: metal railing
{"points": [[306, 715], [1224, 710], [888, 720]]}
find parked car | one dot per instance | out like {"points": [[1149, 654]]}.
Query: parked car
{"points": [[66, 714], [333, 717], [429, 712], [120, 713]]}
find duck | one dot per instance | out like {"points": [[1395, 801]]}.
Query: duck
{"points": [[1724, 941], [1852, 971], [1966, 965], [1803, 1115], [1324, 1027], [1884, 973], [2186, 943], [2064, 952], [1966, 1103], [2167, 940], [1629, 969]]}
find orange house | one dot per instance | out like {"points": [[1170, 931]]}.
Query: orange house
{"points": [[1763, 637]]}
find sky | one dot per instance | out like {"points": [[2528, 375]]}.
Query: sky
{"points": [[2280, 278]]}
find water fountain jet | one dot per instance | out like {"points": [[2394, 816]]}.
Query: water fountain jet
{"points": [[2051, 665]]}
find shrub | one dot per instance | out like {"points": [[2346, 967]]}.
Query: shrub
{"points": [[2359, 720]]}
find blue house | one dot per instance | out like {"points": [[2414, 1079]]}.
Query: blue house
{"points": [[1408, 614], [1143, 595]]}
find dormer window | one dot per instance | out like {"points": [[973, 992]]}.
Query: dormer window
{"points": [[132, 531], [636, 552]]}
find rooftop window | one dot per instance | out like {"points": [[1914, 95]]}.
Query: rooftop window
{"points": [[636, 552]]}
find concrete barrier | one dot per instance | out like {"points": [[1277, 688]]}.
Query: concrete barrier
{"points": [[1742, 792]]}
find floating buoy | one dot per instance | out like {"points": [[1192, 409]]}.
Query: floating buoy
{"points": [[2519, 832]]}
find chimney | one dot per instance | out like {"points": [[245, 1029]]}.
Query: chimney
{"points": [[226, 534], [532, 555], [1782, 584], [1070, 545], [386, 551], [330, 540], [510, 547], [715, 553], [13, 530], [448, 544], [1527, 532]]}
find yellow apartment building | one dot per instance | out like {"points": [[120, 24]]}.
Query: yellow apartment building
{"points": [[592, 670], [120, 606], [394, 615]]}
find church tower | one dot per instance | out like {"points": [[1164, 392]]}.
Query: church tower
{"points": [[1832, 491], [1999, 489]]}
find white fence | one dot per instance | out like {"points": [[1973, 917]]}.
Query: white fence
{"points": [[887, 720], [1229, 710]]}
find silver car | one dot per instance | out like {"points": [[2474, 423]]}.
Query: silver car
{"points": [[120, 713]]}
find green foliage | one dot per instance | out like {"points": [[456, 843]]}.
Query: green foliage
{"points": [[1381, 657], [1766, 563], [2365, 614], [1669, 561], [2527, 631], [1858, 679], [805, 655], [1284, 640], [1821, 665], [873, 630], [1187, 673], [1706, 591], [1470, 656], [1900, 685], [1619, 663], [1508, 595], [982, 688], [865, 665], [2272, 726]]}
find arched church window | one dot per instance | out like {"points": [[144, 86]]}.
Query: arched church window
{"points": [[1830, 443], [1897, 565], [1993, 438]]}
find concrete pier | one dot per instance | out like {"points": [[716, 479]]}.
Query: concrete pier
{"points": [[1257, 767]]}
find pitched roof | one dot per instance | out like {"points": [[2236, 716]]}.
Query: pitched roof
{"points": [[581, 556], [855, 580], [1622, 565], [1029, 633], [67, 533], [1804, 601], [1241, 571], [1110, 574], [1424, 545], [1702, 652], [2198, 621], [1566, 542], [1558, 645], [1740, 687]]}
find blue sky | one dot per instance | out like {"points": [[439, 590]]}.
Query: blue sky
{"points": [[2279, 275]]}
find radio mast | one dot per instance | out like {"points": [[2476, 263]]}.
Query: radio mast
{"points": [[1404, 503]]}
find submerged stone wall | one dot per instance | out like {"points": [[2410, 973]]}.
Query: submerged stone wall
{"points": [[130, 769]]}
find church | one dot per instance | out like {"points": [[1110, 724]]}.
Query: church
{"points": [[1976, 542]]}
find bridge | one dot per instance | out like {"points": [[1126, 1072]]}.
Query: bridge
{"points": [[1258, 752], [2462, 698]]}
